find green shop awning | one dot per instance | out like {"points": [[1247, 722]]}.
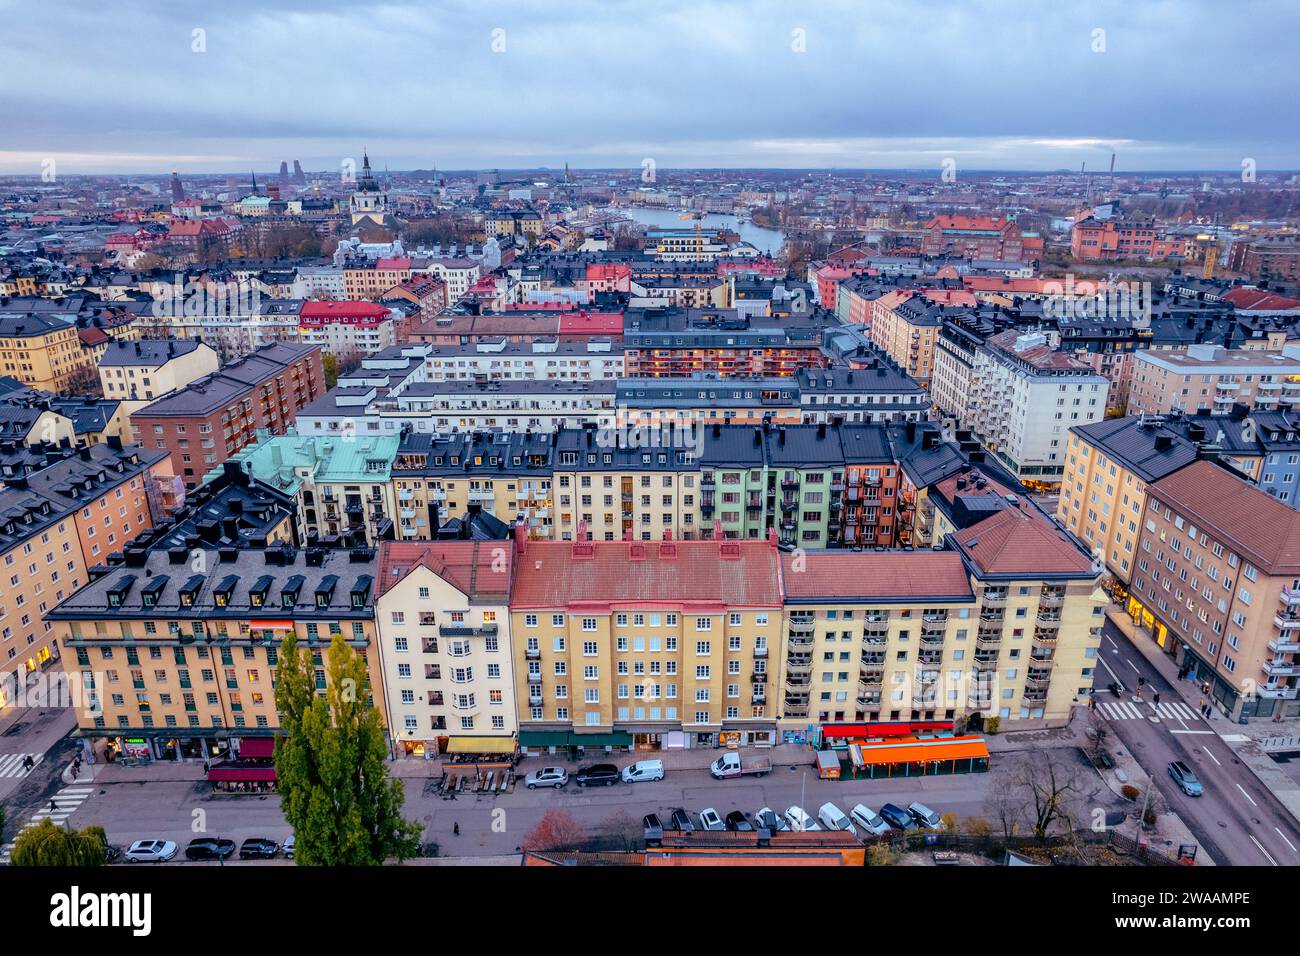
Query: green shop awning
{"points": [[600, 740], [543, 738]]}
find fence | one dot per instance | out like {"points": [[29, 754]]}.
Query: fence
{"points": [[996, 845]]}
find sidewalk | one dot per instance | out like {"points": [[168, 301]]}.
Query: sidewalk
{"points": [[1242, 739]]}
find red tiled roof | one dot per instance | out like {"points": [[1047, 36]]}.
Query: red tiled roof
{"points": [[967, 222], [1260, 300], [591, 323], [1021, 541], [883, 576], [328, 309], [549, 574], [91, 337], [1251, 521], [392, 264], [480, 569]]}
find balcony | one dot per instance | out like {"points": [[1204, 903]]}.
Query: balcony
{"points": [[986, 657], [932, 658], [1281, 668], [1284, 645], [1278, 693], [789, 504], [1046, 636], [796, 700], [708, 481], [979, 703], [874, 640], [758, 678], [932, 638], [799, 665], [1034, 696], [988, 638], [760, 651], [1286, 622], [790, 484], [994, 598], [1052, 597], [868, 700], [533, 653], [925, 702], [462, 630], [1290, 597], [798, 682]]}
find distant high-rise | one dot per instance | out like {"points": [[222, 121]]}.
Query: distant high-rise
{"points": [[284, 171], [299, 176], [178, 190]]}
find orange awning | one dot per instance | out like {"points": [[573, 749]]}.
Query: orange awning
{"points": [[947, 748]]}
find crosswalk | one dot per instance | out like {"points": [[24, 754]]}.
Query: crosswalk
{"points": [[11, 765], [62, 806], [1127, 710]]}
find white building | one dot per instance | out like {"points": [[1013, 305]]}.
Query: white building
{"points": [[541, 359], [443, 624], [1024, 399]]}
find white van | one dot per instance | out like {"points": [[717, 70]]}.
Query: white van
{"points": [[643, 770], [833, 818]]}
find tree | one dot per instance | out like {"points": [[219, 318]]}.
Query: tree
{"points": [[48, 845], [330, 362], [1047, 785], [334, 786], [881, 854], [556, 830], [1005, 803]]}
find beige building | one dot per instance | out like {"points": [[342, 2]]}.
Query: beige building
{"points": [[1217, 587], [444, 642], [1209, 379], [647, 645], [1108, 466], [906, 327], [42, 351], [150, 368]]}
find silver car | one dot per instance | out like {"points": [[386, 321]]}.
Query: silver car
{"points": [[547, 777], [150, 851]]}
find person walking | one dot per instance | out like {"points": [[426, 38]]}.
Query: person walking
{"points": [[455, 829]]}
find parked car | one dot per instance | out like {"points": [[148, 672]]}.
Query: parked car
{"points": [[643, 771], [833, 818], [1186, 779], [289, 846], [258, 848], [547, 777], [897, 817], [925, 818], [681, 820], [653, 828], [769, 819], [800, 821], [597, 775], [207, 848], [739, 820], [150, 851], [710, 820], [868, 820]]}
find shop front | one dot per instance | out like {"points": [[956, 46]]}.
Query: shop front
{"points": [[1143, 617], [732, 736]]}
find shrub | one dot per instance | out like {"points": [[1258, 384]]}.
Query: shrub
{"points": [[978, 827], [881, 854], [1129, 791], [992, 724]]}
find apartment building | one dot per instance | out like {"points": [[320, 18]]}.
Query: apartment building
{"points": [[980, 237], [209, 420], [1268, 257], [42, 350], [1109, 465], [150, 368], [348, 328], [64, 511], [905, 326], [706, 399], [646, 645], [180, 664], [1208, 379], [876, 636], [722, 342], [1024, 398], [368, 279], [874, 390], [615, 491], [1217, 587], [1117, 238], [342, 485], [506, 475], [443, 625], [541, 359]]}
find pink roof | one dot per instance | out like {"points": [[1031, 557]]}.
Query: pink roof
{"points": [[393, 264], [702, 575], [591, 323], [351, 309], [883, 576], [479, 569]]}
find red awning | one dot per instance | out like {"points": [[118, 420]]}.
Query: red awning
{"points": [[230, 773], [257, 747]]}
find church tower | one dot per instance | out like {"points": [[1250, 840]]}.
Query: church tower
{"points": [[369, 202]]}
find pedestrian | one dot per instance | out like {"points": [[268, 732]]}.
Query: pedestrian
{"points": [[1156, 699], [455, 829], [53, 805]]}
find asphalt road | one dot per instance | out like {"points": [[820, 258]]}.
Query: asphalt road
{"points": [[1237, 820]]}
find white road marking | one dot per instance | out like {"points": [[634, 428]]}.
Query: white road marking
{"points": [[1285, 840], [1261, 849], [1193, 732], [11, 765], [1113, 675], [1206, 751], [1246, 795], [1132, 665]]}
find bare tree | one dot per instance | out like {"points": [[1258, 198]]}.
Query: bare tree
{"points": [[1006, 804], [1047, 783], [556, 830]]}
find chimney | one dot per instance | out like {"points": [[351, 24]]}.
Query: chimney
{"points": [[521, 535], [1164, 441]]}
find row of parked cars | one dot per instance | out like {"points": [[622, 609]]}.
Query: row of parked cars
{"points": [[860, 821], [596, 775], [207, 848]]}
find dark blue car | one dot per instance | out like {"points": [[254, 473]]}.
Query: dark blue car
{"points": [[897, 817]]}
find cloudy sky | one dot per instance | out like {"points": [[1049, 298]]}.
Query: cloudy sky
{"points": [[144, 85]]}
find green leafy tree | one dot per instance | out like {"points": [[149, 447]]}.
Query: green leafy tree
{"points": [[48, 845], [334, 786]]}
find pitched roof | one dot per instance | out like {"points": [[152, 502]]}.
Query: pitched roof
{"points": [[1133, 443], [479, 569], [1021, 542], [712, 573], [1253, 522], [883, 577]]}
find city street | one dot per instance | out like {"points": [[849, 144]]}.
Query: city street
{"points": [[1237, 820]]}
